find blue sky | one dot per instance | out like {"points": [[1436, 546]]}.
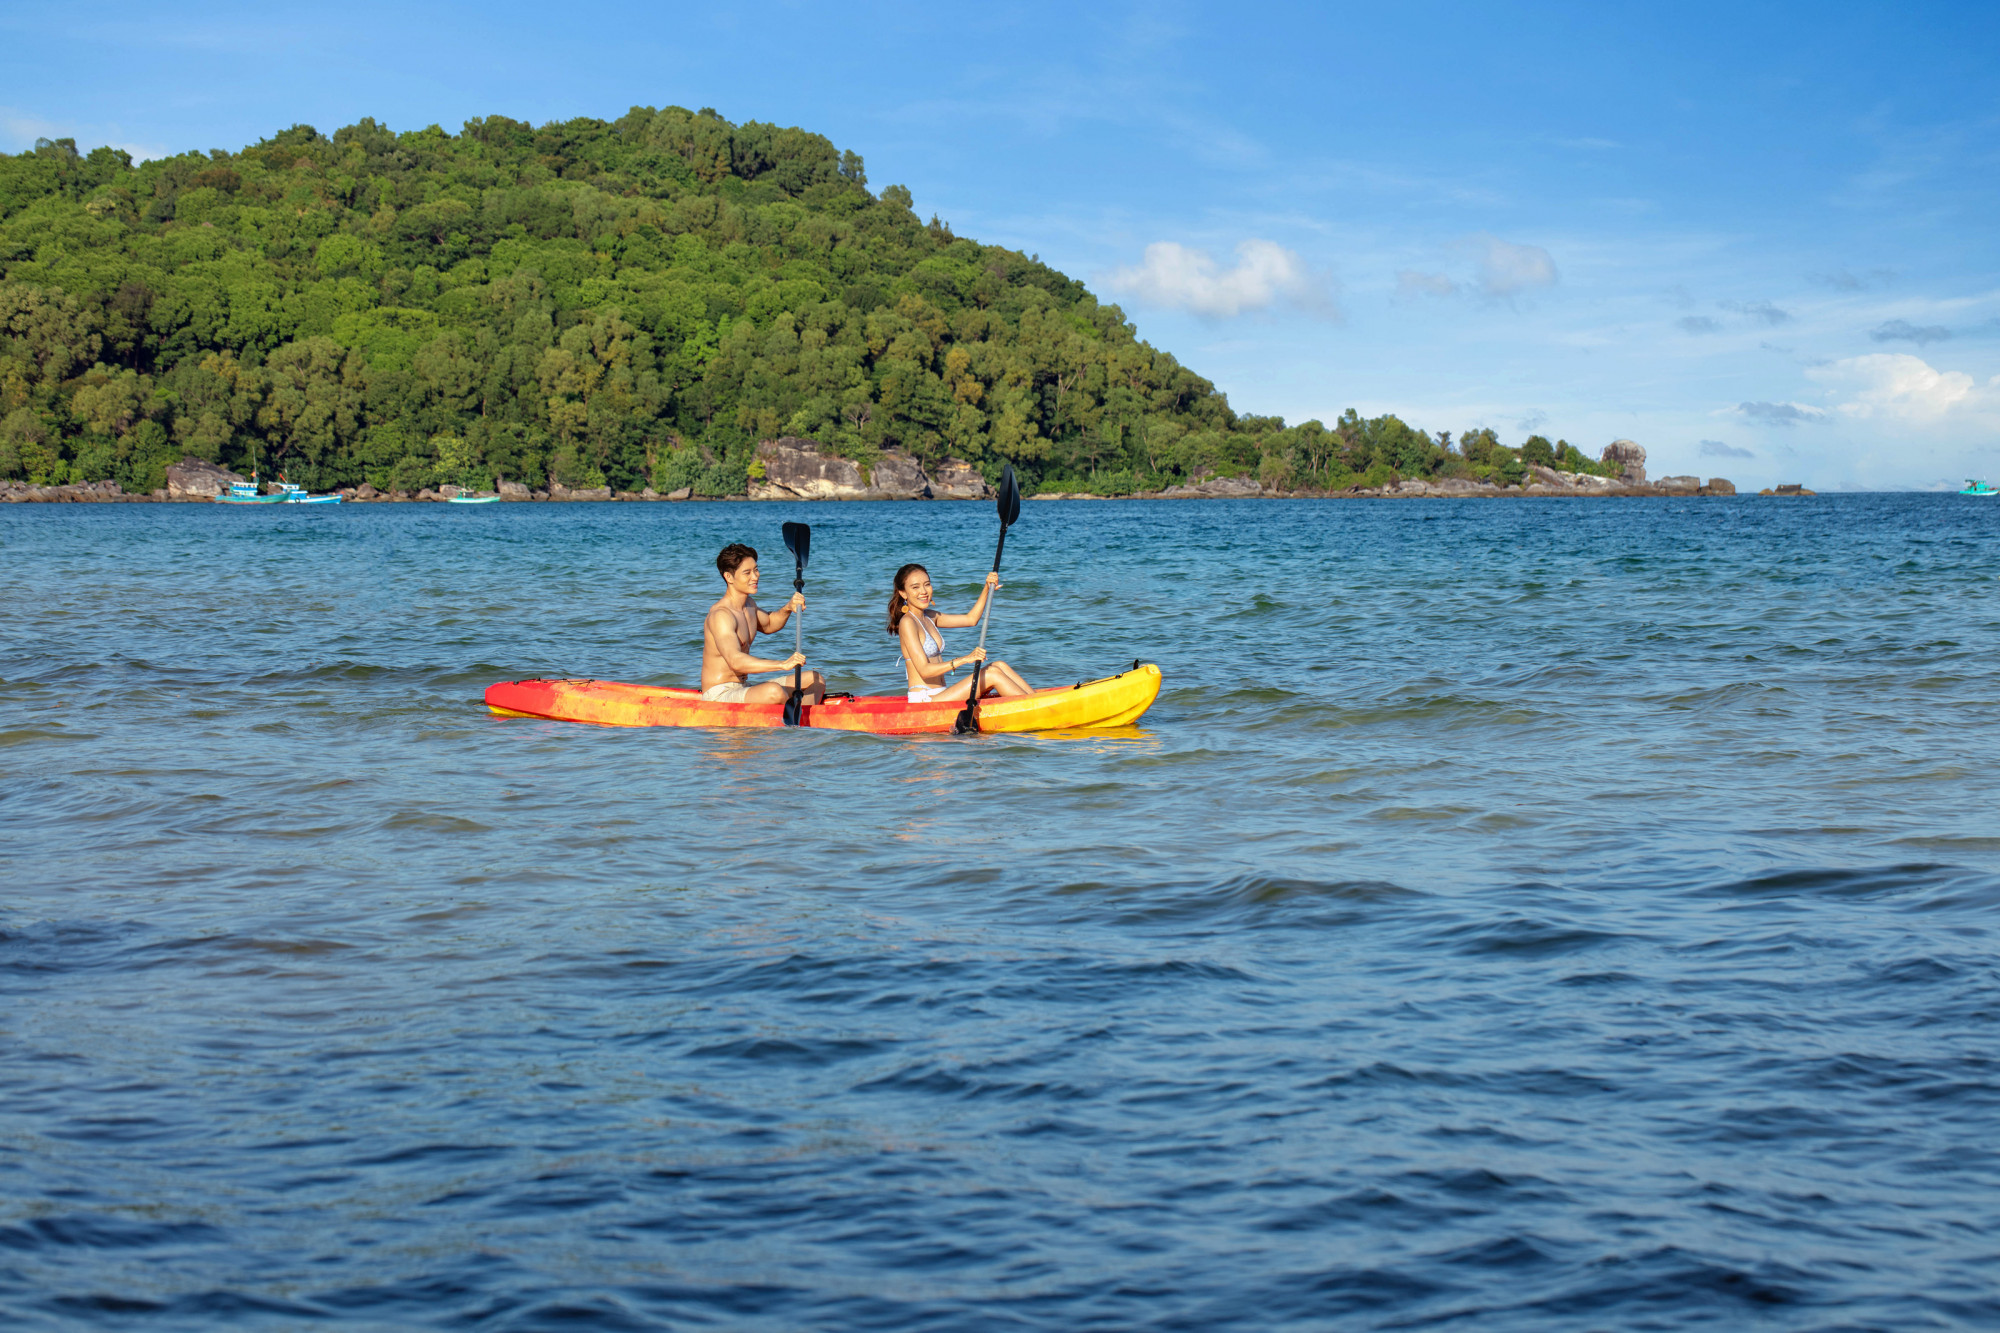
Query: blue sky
{"points": [[1762, 240]]}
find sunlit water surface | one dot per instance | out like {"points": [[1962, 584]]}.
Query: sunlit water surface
{"points": [[1513, 915]]}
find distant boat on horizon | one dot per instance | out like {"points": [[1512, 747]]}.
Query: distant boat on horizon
{"points": [[1975, 487], [245, 493], [295, 494]]}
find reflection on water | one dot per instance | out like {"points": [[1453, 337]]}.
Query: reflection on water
{"points": [[1564, 914]]}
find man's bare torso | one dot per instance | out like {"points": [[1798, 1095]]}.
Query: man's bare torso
{"points": [[714, 667]]}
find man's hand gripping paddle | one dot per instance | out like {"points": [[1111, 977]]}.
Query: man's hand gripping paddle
{"points": [[1010, 513], [798, 540]]}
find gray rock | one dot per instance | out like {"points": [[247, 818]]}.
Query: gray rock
{"points": [[513, 490], [558, 491], [366, 491], [796, 469], [1720, 486], [1210, 488], [898, 476], [1585, 481], [1679, 483], [448, 490], [1631, 460], [954, 479], [684, 493], [196, 478]]}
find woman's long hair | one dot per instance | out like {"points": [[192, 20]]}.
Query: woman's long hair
{"points": [[897, 602]]}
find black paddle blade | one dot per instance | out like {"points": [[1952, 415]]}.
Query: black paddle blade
{"points": [[798, 540], [1010, 498], [794, 701], [967, 723]]}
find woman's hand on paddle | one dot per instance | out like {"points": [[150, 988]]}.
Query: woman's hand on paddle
{"points": [[992, 578], [976, 655]]}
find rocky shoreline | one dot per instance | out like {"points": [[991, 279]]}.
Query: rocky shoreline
{"points": [[797, 469]]}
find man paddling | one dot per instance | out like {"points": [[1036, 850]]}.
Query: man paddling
{"points": [[732, 624]]}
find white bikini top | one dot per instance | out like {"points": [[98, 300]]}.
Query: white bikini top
{"points": [[933, 641]]}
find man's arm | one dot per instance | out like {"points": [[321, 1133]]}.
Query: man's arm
{"points": [[722, 629], [770, 622]]}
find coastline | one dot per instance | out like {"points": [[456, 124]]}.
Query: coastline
{"points": [[110, 493], [793, 469]]}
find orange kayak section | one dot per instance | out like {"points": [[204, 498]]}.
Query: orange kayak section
{"points": [[1113, 701]]}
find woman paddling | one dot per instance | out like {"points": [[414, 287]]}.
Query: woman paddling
{"points": [[916, 623]]}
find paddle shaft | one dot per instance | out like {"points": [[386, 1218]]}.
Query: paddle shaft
{"points": [[979, 668]]}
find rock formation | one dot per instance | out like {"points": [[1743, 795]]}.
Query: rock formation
{"points": [[798, 469], [198, 479], [1630, 458], [954, 479], [897, 476], [1211, 487], [795, 469]]}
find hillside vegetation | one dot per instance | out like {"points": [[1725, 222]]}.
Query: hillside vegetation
{"points": [[624, 302]]}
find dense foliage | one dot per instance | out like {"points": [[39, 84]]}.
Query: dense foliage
{"points": [[623, 302]]}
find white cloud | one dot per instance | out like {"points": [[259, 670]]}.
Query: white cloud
{"points": [[1781, 414], [1901, 330], [1266, 275], [1410, 282], [1761, 312], [1506, 269], [1502, 270], [1896, 384]]}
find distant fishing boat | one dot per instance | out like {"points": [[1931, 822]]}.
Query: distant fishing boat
{"points": [[245, 493], [1973, 487], [296, 495], [463, 499]]}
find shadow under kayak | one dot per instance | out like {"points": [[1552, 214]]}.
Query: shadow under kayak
{"points": [[1113, 701]]}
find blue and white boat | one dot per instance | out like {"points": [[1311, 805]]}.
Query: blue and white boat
{"points": [[296, 495], [1973, 487], [463, 498], [245, 493]]}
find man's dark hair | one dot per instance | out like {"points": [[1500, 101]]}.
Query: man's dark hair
{"points": [[732, 556]]}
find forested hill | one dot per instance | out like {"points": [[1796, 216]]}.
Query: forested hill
{"points": [[626, 302]]}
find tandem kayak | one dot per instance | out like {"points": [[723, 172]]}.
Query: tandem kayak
{"points": [[1113, 701]]}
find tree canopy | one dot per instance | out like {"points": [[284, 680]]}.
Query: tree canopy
{"points": [[595, 302]]}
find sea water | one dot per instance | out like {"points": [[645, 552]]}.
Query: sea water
{"points": [[1546, 914]]}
